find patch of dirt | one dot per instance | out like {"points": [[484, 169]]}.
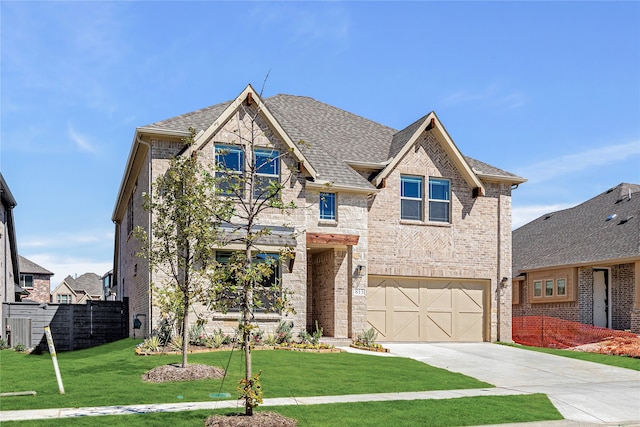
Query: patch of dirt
{"points": [[176, 372], [616, 346], [258, 419]]}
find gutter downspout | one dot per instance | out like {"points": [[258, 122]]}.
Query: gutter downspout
{"points": [[150, 234]]}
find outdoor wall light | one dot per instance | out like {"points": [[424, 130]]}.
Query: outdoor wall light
{"points": [[360, 269], [504, 282]]}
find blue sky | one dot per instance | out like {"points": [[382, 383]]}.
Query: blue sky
{"points": [[547, 90]]}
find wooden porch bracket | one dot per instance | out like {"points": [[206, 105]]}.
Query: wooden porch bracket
{"points": [[332, 239]]}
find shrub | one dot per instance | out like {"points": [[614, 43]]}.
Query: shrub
{"points": [[368, 338], [20, 348], [3, 344], [197, 334], [176, 343], [271, 340], [151, 344], [217, 339], [314, 338], [284, 332]]}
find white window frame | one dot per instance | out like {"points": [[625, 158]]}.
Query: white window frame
{"points": [[333, 208], [433, 201], [420, 198]]}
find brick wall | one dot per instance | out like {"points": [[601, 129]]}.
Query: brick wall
{"points": [[622, 288], [41, 291], [476, 245]]}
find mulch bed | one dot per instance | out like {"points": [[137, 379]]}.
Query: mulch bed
{"points": [[176, 372], [258, 419]]}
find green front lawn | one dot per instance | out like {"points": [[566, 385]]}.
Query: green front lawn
{"points": [[111, 375], [466, 411]]}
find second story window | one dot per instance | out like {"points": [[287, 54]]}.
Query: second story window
{"points": [[26, 281], [229, 163], [63, 299], [439, 200], [267, 172], [328, 206], [411, 197]]}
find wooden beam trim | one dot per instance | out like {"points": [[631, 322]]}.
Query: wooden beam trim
{"points": [[332, 239]]}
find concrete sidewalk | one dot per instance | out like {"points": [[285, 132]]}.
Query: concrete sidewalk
{"points": [[43, 414]]}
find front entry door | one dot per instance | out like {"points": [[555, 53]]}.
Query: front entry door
{"points": [[600, 299]]}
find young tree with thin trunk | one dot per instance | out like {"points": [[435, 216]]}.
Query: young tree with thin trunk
{"points": [[183, 236], [252, 174]]}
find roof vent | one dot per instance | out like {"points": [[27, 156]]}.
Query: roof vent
{"points": [[547, 216], [622, 221], [612, 216]]}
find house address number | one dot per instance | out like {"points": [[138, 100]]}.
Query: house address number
{"points": [[359, 291]]}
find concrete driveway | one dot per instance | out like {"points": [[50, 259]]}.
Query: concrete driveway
{"points": [[584, 392]]}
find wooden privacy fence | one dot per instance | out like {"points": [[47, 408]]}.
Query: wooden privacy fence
{"points": [[73, 326]]}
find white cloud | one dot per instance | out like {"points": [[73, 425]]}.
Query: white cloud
{"points": [[65, 266], [575, 162], [68, 240], [81, 141], [525, 214]]}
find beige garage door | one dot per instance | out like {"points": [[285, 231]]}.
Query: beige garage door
{"points": [[403, 309]]}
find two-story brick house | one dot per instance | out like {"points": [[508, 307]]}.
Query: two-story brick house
{"points": [[394, 229], [36, 280]]}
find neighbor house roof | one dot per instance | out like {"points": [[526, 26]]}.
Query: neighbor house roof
{"points": [[28, 266], [603, 229], [90, 283]]}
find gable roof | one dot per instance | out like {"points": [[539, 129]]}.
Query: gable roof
{"points": [[404, 140], [335, 140], [28, 266], [586, 234], [89, 283], [60, 288]]}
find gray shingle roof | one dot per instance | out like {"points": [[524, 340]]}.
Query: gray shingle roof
{"points": [[483, 168], [584, 234], [30, 267], [90, 283], [333, 137]]}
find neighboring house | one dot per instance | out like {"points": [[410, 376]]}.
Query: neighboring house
{"points": [[79, 290], [395, 230], [36, 280], [10, 290], [583, 263], [109, 291]]}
